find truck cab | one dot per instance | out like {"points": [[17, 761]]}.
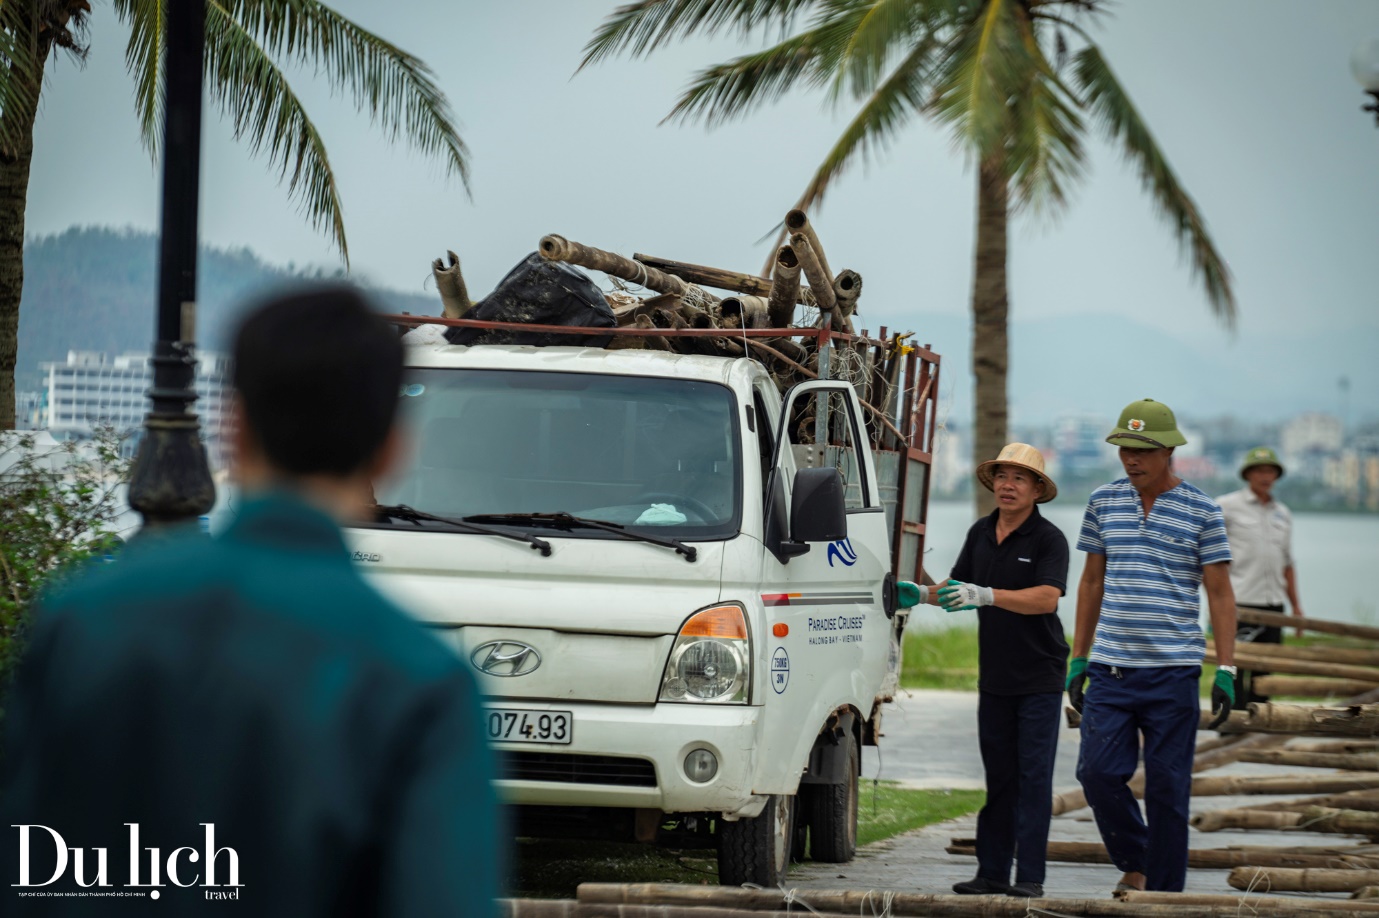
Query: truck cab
{"points": [[673, 582]]}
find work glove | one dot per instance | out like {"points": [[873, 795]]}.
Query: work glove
{"points": [[1222, 697], [910, 594], [1077, 681], [956, 596]]}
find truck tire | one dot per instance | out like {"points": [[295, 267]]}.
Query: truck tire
{"points": [[831, 810], [757, 850]]}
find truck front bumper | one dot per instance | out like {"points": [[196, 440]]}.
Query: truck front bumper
{"points": [[633, 756]]}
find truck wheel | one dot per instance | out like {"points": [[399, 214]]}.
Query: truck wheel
{"points": [[757, 850], [831, 810]]}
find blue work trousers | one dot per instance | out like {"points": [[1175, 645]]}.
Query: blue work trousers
{"points": [[1122, 703], [1018, 736]]}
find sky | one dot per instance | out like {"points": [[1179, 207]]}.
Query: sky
{"points": [[1252, 101]]}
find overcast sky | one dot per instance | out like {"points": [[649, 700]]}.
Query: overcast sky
{"points": [[1252, 100]]}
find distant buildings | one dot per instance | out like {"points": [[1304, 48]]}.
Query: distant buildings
{"points": [[1307, 441], [90, 389]]}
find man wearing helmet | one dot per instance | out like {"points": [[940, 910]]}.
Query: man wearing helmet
{"points": [[1260, 530], [1151, 540]]}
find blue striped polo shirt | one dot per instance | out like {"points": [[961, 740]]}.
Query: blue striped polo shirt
{"points": [[1150, 610]]}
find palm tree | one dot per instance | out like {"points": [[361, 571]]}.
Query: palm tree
{"points": [[1002, 75], [245, 42]]}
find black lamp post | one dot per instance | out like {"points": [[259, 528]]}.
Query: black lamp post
{"points": [[171, 480], [1364, 63]]}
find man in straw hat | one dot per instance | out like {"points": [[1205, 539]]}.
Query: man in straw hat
{"points": [[1151, 540], [1260, 529], [1012, 569]]}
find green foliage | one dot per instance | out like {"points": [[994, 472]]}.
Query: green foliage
{"points": [[997, 73], [58, 507], [552, 869]]}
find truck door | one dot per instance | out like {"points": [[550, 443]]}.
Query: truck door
{"points": [[829, 598]]}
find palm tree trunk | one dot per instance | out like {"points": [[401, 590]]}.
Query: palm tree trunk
{"points": [[990, 305], [14, 191]]}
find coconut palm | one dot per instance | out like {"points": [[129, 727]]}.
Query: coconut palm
{"points": [[1019, 83], [247, 44]]}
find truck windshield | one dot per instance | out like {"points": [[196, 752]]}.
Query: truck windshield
{"points": [[643, 453]]}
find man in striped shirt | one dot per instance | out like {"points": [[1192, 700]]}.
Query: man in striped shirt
{"points": [[1151, 540]]}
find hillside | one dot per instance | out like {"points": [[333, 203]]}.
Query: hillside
{"points": [[94, 288]]}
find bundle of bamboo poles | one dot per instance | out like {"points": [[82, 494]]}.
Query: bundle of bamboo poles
{"points": [[802, 297]]}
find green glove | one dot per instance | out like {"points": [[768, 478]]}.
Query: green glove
{"points": [[910, 594], [1222, 698], [1077, 679]]}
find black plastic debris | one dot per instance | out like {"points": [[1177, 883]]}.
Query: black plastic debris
{"points": [[539, 292]]}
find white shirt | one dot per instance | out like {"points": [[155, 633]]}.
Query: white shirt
{"points": [[1261, 537]]}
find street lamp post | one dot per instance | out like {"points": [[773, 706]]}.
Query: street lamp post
{"points": [[171, 480], [1364, 63]]}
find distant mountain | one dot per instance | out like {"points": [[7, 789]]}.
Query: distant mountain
{"points": [[95, 289]]}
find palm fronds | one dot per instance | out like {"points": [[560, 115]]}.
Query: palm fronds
{"points": [[144, 60], [642, 27], [266, 113], [20, 73], [1108, 101]]}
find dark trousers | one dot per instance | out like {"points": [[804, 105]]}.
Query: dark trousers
{"points": [[1018, 736], [1123, 703], [1254, 634]]}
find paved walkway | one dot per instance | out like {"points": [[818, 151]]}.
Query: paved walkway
{"points": [[930, 741]]}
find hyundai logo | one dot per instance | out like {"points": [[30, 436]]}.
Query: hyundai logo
{"points": [[505, 658]]}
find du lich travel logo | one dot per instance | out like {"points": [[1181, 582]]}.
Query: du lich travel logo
{"points": [[50, 867]]}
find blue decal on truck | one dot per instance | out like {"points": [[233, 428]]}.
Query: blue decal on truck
{"points": [[843, 551], [780, 670]]}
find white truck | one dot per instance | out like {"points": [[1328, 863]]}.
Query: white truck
{"points": [[682, 617]]}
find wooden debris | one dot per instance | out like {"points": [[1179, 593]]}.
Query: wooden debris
{"points": [[1339, 760], [1308, 879], [746, 311], [1310, 686], [1351, 720], [1355, 656], [1279, 620], [1349, 800], [558, 248], [819, 281], [1312, 819], [1246, 904], [450, 285], [1247, 660], [797, 224], [1233, 785], [736, 281], [1208, 858], [847, 287], [785, 288]]}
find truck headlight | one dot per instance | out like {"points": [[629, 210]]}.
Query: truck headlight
{"points": [[711, 660]]}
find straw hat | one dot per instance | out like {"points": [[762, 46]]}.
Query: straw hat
{"points": [[1023, 456]]}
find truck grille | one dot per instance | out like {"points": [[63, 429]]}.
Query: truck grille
{"points": [[579, 769]]}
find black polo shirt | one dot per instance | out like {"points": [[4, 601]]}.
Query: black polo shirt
{"points": [[1018, 654]]}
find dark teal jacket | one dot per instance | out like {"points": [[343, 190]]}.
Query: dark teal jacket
{"points": [[254, 682]]}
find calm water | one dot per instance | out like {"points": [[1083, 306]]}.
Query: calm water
{"points": [[1334, 554]]}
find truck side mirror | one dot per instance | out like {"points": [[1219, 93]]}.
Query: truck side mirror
{"points": [[817, 509]]}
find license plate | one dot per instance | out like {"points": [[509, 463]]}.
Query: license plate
{"points": [[516, 725]]}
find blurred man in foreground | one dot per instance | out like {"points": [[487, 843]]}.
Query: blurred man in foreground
{"points": [[244, 718]]}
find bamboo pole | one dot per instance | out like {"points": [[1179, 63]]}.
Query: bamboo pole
{"points": [[1312, 819], [1245, 904], [1234, 785], [747, 311], [1299, 757], [1367, 800], [736, 281], [785, 288], [1310, 686], [1351, 720], [819, 281], [1356, 746], [1205, 858], [797, 224], [1356, 656], [1247, 660], [650, 900], [450, 285], [1366, 892], [1308, 879], [847, 287], [1279, 620], [538, 908], [557, 248]]}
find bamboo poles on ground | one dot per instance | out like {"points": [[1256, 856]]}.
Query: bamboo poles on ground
{"points": [[1236, 785], [1338, 760], [1279, 620], [1246, 905], [1307, 879], [1351, 720], [1274, 664], [1311, 686], [1312, 819], [1354, 656], [1205, 858]]}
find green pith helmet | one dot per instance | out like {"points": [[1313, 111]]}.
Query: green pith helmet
{"points": [[1261, 455], [1146, 424]]}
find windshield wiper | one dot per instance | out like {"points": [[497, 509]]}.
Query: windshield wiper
{"points": [[412, 515], [565, 520]]}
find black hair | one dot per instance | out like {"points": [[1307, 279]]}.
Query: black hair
{"points": [[318, 374]]}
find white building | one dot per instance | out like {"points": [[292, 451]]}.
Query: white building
{"points": [[91, 388], [1307, 441]]}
